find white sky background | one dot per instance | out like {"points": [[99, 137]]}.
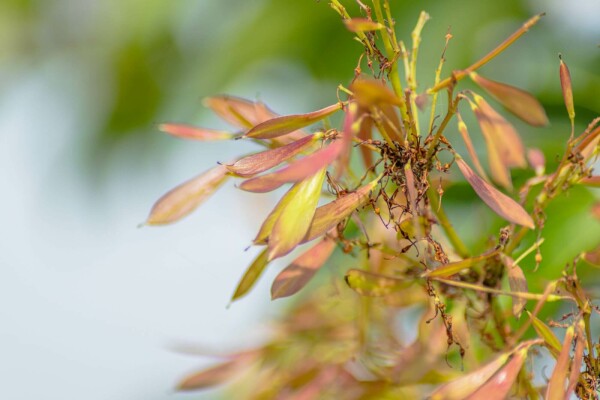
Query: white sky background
{"points": [[88, 302]]}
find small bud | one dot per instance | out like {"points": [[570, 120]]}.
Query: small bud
{"points": [[538, 258], [567, 89]]}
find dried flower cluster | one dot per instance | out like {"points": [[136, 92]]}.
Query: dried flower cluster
{"points": [[386, 211]]}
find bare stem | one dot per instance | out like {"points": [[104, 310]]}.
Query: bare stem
{"points": [[458, 75]]}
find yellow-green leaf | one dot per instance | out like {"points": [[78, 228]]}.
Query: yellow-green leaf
{"points": [[251, 275], [296, 217], [280, 126], [362, 25], [374, 285], [517, 101], [546, 333], [331, 214], [186, 197], [452, 268], [567, 88]]}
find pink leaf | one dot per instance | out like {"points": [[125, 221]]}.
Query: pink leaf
{"points": [[296, 275], [263, 161], [186, 197], [191, 132], [296, 171], [502, 205], [515, 100], [295, 219], [331, 214]]}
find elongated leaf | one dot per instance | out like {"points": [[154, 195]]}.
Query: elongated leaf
{"points": [[546, 333], [331, 214], [592, 181], [296, 171], [452, 268], [369, 92], [577, 359], [267, 226], [502, 205], [296, 275], [485, 289], [374, 285], [296, 217], [192, 132], [280, 126], [589, 144], [263, 161], [237, 111], [210, 377], [517, 101], [498, 386], [567, 88], [517, 283], [556, 385], [466, 385], [362, 25], [186, 197], [464, 132], [504, 145], [592, 257], [251, 275]]}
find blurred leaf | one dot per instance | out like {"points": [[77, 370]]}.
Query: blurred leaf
{"points": [[237, 111], [263, 161], [502, 205], [504, 145], [498, 386], [577, 358], [517, 283], [374, 285], [362, 25], [251, 275], [537, 161], [517, 101], [370, 92], [452, 268], [296, 275], [556, 385], [280, 126], [464, 132], [466, 385], [186, 197], [195, 133]]}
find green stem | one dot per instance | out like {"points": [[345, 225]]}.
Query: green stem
{"points": [[445, 224]]}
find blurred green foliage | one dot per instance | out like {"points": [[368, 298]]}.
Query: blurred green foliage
{"points": [[159, 57]]}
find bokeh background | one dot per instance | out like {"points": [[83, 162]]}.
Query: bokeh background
{"points": [[91, 307]]}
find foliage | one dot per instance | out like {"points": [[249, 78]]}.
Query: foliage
{"points": [[410, 266]]}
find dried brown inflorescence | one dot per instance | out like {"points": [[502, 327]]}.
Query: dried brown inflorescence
{"points": [[387, 212]]}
